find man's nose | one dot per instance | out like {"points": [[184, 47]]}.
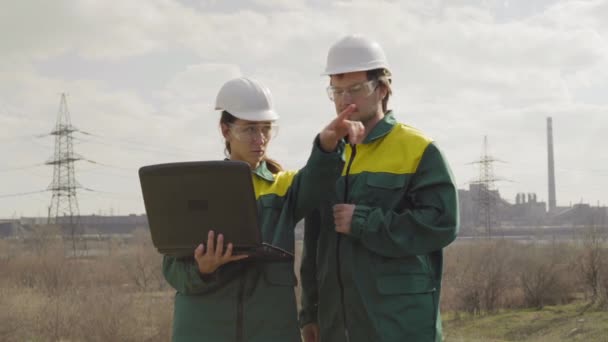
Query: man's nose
{"points": [[346, 98]]}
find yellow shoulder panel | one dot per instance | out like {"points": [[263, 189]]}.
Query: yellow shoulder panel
{"points": [[398, 152], [282, 182]]}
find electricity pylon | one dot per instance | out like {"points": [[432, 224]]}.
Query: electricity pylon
{"points": [[486, 194], [64, 203]]}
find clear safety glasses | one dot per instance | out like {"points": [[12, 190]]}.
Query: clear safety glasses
{"points": [[362, 89], [252, 131]]}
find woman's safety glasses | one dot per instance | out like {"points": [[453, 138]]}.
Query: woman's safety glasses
{"points": [[253, 131]]}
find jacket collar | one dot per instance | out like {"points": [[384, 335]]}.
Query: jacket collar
{"points": [[262, 171], [382, 128]]}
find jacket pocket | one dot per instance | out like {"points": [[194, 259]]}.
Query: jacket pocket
{"points": [[414, 264], [280, 274], [384, 189], [386, 181], [270, 214], [271, 202], [405, 284], [406, 307]]}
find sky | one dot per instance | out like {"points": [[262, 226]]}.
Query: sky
{"points": [[142, 76]]}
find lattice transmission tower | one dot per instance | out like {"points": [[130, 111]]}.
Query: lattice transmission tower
{"points": [[487, 195], [64, 203]]}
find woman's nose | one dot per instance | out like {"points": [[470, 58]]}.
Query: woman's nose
{"points": [[258, 137]]}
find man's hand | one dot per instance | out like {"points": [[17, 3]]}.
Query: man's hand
{"points": [[208, 261], [341, 127], [310, 332], [343, 217]]}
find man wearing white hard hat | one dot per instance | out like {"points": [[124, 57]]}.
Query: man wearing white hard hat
{"points": [[372, 258], [225, 297]]}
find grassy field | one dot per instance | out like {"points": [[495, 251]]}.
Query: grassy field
{"points": [[571, 322], [491, 292], [576, 321]]}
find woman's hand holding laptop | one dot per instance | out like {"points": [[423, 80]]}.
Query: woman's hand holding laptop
{"points": [[213, 256]]}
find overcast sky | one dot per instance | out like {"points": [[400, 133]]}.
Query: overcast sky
{"points": [[142, 77]]}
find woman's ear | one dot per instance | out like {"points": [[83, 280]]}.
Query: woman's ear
{"points": [[225, 131]]}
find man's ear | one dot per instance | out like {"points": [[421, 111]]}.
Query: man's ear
{"points": [[383, 91]]}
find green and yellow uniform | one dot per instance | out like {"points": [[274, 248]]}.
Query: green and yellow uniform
{"points": [[382, 282], [253, 300]]}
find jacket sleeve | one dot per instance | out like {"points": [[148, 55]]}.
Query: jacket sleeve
{"points": [[430, 221], [183, 275], [308, 270], [312, 183]]}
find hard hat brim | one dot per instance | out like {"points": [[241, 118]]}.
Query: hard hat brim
{"points": [[345, 70], [263, 115]]}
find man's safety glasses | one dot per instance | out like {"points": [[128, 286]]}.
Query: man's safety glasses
{"points": [[362, 89]]}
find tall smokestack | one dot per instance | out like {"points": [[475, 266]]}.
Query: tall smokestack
{"points": [[551, 165]]}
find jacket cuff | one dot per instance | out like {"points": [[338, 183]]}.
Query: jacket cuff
{"points": [[208, 278], [322, 160], [308, 316], [358, 225], [318, 149]]}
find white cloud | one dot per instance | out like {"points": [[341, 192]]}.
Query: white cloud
{"points": [[199, 82], [35, 30], [462, 70]]}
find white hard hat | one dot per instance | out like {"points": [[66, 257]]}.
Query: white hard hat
{"points": [[355, 53], [246, 99]]}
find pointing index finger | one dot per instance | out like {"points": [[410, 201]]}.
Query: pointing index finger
{"points": [[346, 112]]}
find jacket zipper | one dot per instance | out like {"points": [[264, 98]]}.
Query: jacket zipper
{"points": [[339, 239]]}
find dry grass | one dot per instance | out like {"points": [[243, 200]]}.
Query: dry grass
{"points": [[48, 296], [117, 292], [485, 276]]}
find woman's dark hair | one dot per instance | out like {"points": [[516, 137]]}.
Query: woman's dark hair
{"points": [[272, 165]]}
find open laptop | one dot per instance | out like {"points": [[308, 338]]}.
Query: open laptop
{"points": [[185, 200]]}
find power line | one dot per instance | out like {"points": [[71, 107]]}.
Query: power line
{"points": [[108, 165], [557, 168], [110, 174], [15, 138], [10, 169], [113, 194], [19, 194], [137, 146]]}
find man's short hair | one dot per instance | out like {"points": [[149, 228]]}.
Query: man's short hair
{"points": [[383, 76]]}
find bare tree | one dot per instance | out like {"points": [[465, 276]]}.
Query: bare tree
{"points": [[144, 264], [480, 278], [592, 263], [538, 281]]}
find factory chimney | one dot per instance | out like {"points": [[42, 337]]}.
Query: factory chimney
{"points": [[551, 165]]}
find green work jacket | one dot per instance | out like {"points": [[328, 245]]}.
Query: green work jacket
{"points": [[382, 281], [253, 300]]}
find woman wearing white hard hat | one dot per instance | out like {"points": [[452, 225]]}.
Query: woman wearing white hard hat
{"points": [[222, 297]]}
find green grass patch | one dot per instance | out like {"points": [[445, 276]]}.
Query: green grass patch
{"points": [[572, 322]]}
